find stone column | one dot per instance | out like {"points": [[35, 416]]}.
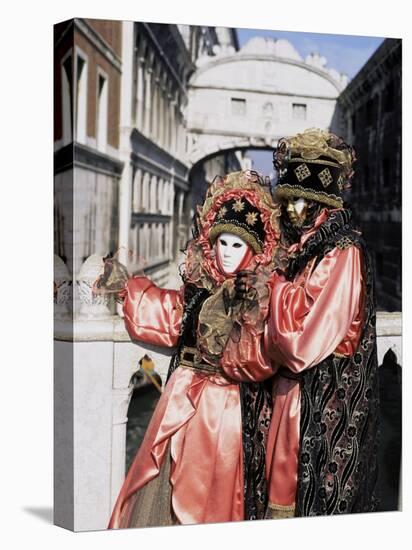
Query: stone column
{"points": [[139, 92], [173, 221], [159, 240], [172, 124], [148, 100], [137, 190], [92, 306], [180, 135], [164, 112], [160, 196], [178, 244], [177, 123], [62, 290], [153, 194], [161, 117], [146, 242], [145, 192], [169, 122], [159, 112], [126, 126], [120, 404], [167, 115], [155, 112]]}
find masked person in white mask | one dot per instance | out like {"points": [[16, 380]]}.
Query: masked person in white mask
{"points": [[231, 251], [203, 455]]}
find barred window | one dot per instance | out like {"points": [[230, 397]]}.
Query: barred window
{"points": [[238, 106], [299, 111]]}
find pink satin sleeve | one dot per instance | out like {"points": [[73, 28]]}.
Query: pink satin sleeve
{"points": [[245, 358], [310, 318], [152, 314]]}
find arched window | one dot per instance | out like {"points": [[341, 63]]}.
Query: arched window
{"points": [[268, 109]]}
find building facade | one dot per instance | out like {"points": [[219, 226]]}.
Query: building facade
{"points": [[150, 113], [121, 168], [158, 192], [87, 67], [370, 118]]}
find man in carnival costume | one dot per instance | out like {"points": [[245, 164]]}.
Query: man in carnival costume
{"points": [[203, 456], [322, 443]]}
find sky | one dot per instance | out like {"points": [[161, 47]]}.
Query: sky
{"points": [[345, 53]]}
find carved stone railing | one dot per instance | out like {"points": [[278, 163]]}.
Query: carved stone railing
{"points": [[103, 363]]}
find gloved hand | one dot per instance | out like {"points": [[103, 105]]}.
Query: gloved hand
{"points": [[244, 283], [113, 279]]}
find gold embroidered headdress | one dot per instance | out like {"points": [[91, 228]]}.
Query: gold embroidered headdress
{"points": [[239, 203], [315, 165]]}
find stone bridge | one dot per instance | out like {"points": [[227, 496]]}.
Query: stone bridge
{"points": [[252, 97]]}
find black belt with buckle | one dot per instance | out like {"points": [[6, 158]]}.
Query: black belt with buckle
{"points": [[192, 359]]}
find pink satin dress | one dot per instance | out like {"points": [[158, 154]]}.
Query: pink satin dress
{"points": [[198, 417], [317, 314]]}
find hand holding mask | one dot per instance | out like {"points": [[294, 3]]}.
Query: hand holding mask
{"points": [[113, 279]]}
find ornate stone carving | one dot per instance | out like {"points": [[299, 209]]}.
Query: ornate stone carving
{"points": [[93, 306], [62, 289]]}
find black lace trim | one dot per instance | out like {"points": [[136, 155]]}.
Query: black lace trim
{"points": [[193, 300], [334, 229], [256, 404]]}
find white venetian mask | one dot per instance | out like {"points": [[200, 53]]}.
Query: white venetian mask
{"points": [[231, 250]]}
